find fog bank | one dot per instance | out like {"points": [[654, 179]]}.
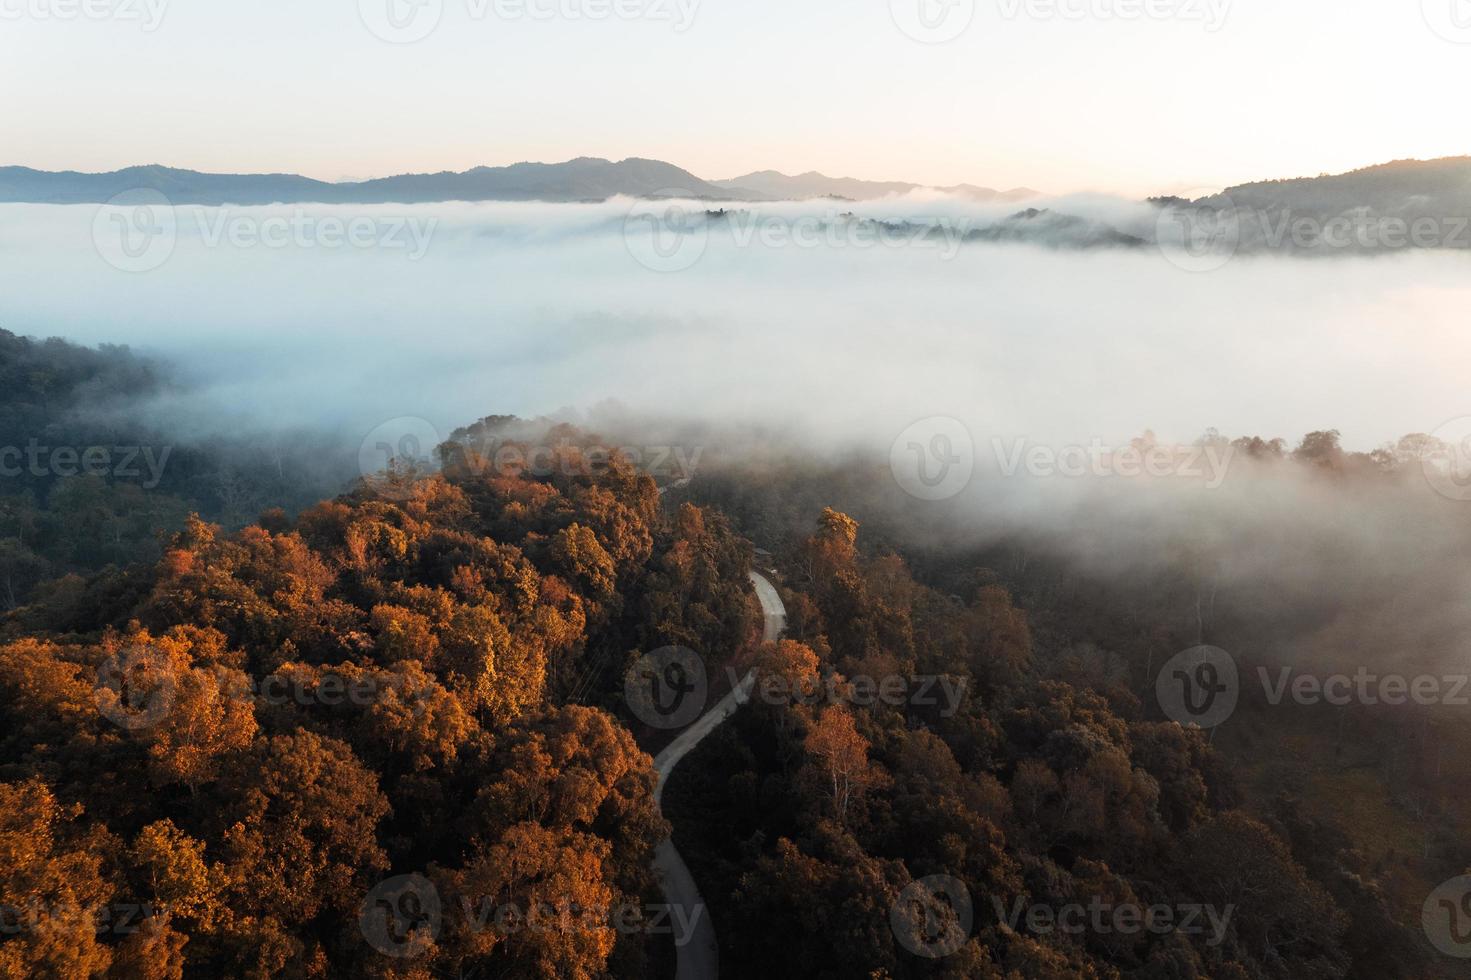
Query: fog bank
{"points": [[451, 312]]}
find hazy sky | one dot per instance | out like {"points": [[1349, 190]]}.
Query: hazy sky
{"points": [[1055, 94]]}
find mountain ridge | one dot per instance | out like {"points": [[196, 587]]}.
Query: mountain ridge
{"points": [[1440, 185], [580, 179]]}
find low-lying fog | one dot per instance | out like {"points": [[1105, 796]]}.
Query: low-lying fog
{"points": [[801, 325], [788, 316]]}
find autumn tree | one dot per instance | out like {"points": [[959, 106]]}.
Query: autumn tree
{"points": [[55, 886], [839, 761]]}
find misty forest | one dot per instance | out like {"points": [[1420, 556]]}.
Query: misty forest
{"points": [[699, 489], [244, 688]]}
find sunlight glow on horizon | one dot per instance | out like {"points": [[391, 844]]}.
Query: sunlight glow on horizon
{"points": [[1059, 104]]}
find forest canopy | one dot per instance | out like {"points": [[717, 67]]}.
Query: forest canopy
{"points": [[387, 734]]}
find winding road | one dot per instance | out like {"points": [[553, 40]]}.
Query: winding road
{"points": [[699, 957]]}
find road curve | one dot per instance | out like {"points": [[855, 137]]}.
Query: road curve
{"points": [[698, 956]]}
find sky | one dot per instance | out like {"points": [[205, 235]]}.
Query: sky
{"points": [[1125, 96]]}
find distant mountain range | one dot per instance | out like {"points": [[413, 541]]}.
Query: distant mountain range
{"points": [[1363, 209], [1400, 187], [584, 179]]}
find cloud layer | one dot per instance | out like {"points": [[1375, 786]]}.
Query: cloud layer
{"points": [[467, 310]]}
